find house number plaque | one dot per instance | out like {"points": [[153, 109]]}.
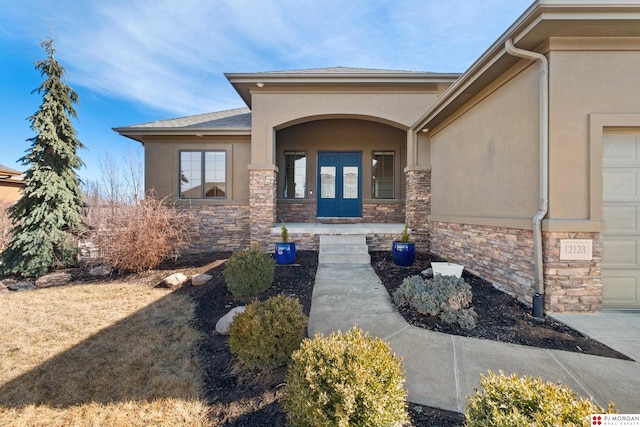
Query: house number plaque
{"points": [[576, 249]]}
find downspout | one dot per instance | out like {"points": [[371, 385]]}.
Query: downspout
{"points": [[538, 297]]}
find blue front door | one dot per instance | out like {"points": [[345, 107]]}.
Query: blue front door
{"points": [[339, 184]]}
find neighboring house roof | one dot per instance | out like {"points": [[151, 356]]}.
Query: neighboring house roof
{"points": [[9, 175], [543, 20], [335, 76], [235, 121], [6, 172]]}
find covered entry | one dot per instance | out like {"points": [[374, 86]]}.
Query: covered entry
{"points": [[339, 184], [621, 211]]}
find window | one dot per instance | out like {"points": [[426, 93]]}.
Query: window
{"points": [[295, 175], [203, 174], [383, 175]]}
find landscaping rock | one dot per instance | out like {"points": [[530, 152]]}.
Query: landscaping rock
{"points": [[100, 270], [21, 286], [57, 278], [222, 327], [428, 272], [200, 279], [175, 281]]}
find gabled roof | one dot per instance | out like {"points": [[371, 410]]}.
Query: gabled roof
{"points": [[244, 83], [236, 121], [11, 176], [542, 20], [8, 171]]}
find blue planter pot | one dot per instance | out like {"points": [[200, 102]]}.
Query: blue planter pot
{"points": [[403, 253], [285, 253]]}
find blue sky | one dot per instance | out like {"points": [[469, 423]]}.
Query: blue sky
{"points": [[134, 61]]}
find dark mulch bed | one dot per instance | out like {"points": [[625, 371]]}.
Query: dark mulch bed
{"points": [[242, 398], [500, 316]]}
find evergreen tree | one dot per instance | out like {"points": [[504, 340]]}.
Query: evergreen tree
{"points": [[50, 209]]}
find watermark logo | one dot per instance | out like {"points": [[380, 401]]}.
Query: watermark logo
{"points": [[617, 420]]}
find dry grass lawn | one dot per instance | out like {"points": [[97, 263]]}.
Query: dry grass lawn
{"points": [[99, 354]]}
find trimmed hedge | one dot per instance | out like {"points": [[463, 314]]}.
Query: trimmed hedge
{"points": [[527, 401], [345, 380]]}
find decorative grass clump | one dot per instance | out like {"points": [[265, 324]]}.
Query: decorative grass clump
{"points": [[249, 272], [345, 379], [527, 401], [447, 297], [266, 333]]}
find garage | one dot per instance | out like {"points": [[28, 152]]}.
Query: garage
{"points": [[621, 211]]}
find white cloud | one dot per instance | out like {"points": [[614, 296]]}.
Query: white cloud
{"points": [[170, 55]]}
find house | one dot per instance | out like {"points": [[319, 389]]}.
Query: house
{"points": [[525, 168], [11, 184]]}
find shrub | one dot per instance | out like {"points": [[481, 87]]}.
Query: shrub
{"points": [[266, 333], [445, 296], [249, 272], [345, 380], [512, 401], [138, 235]]}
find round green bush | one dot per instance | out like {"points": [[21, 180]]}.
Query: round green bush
{"points": [[345, 380], [249, 272], [513, 401], [266, 333]]}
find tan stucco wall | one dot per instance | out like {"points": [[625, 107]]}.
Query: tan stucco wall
{"points": [[586, 79], [344, 135], [10, 192], [162, 164], [492, 144], [278, 110], [485, 161]]}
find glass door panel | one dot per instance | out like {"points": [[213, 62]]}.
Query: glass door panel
{"points": [[328, 182]]}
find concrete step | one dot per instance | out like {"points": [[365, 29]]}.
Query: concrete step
{"points": [[343, 249]]}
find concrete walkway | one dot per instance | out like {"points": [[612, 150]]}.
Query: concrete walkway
{"points": [[441, 369]]}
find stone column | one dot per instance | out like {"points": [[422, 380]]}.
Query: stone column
{"points": [[418, 205], [262, 204], [572, 285]]}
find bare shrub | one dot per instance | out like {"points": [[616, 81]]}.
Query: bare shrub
{"points": [[5, 225], [139, 235], [128, 232]]}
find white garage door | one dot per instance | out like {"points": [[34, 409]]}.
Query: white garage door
{"points": [[621, 210]]}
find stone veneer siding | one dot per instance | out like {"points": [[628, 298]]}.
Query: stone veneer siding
{"points": [[384, 212], [289, 211], [418, 207], [505, 257], [572, 285], [262, 205], [216, 227]]}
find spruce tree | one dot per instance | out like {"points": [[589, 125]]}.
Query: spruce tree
{"points": [[50, 209]]}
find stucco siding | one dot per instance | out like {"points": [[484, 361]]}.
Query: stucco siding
{"points": [[10, 192], [162, 157], [584, 82], [274, 111], [485, 162]]}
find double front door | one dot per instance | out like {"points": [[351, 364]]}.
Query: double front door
{"points": [[339, 184]]}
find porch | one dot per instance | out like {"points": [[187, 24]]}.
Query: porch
{"points": [[306, 235]]}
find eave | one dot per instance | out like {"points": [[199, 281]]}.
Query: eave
{"points": [[543, 20], [245, 83], [140, 134]]}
